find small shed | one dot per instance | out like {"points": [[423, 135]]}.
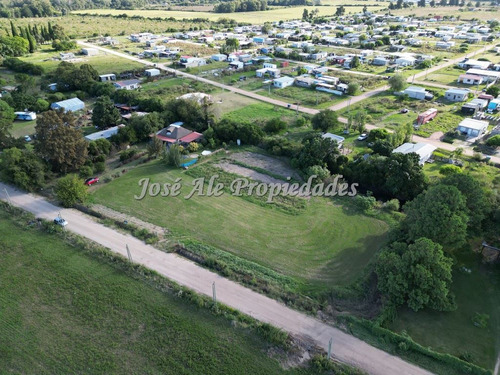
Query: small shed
{"points": [[152, 72], [472, 128]]}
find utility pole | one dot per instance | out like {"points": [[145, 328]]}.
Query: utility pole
{"points": [[8, 196], [214, 295], [330, 348]]}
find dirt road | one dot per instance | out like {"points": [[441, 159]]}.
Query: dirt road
{"points": [[346, 348]]}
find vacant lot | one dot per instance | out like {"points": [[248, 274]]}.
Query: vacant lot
{"points": [[454, 332], [260, 113], [322, 245], [62, 311]]}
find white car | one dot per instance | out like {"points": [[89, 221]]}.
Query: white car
{"points": [[60, 221], [27, 138], [362, 137]]}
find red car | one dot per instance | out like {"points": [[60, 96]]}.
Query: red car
{"points": [[91, 181]]}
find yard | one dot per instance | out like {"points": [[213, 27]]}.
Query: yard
{"points": [[65, 311], [454, 332], [324, 244], [260, 113]]}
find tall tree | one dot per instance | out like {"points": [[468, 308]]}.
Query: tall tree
{"points": [[59, 142], [105, 114], [13, 29], [325, 120], [418, 275], [7, 117], [438, 214], [397, 82]]}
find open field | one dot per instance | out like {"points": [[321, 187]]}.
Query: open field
{"points": [[483, 14], [103, 63], [63, 311], [86, 26], [22, 128], [260, 113], [284, 13], [455, 332], [323, 244]]}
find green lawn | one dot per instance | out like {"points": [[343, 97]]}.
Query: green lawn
{"points": [[22, 128], [454, 332], [64, 312], [324, 244], [260, 112]]}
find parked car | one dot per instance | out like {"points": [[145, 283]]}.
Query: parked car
{"points": [[404, 110], [60, 221], [91, 181], [362, 137], [27, 138]]}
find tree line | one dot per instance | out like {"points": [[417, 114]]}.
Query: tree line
{"points": [[241, 6]]}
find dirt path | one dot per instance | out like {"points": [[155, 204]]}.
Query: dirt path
{"points": [[346, 348]]}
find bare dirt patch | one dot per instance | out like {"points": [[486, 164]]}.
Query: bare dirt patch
{"points": [[247, 172], [273, 165]]}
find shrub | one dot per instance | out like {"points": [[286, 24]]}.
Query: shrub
{"points": [[99, 167], [448, 169], [86, 171], [127, 154], [71, 190], [392, 205], [494, 141]]}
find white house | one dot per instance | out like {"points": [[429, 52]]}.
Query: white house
{"points": [[152, 72], [25, 116], [104, 134], [423, 150], [472, 128], [129, 84], [415, 92], [470, 79], [283, 82], [107, 77], [219, 57], [405, 61], [191, 62], [456, 95], [90, 51]]}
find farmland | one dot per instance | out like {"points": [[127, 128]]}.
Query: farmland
{"points": [[325, 244], [63, 311], [284, 13]]}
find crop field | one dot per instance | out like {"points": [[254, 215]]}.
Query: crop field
{"points": [[62, 311], [324, 244], [283, 13], [475, 292]]}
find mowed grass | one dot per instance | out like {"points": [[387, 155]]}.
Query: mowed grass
{"points": [[63, 312], [323, 245], [454, 332], [261, 113], [22, 128]]}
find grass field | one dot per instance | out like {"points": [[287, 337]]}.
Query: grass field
{"points": [[22, 128], [483, 14], [260, 113], [62, 311], [454, 332], [284, 13], [325, 244], [103, 63]]}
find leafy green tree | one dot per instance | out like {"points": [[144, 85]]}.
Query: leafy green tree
{"points": [[397, 82], [275, 126], [476, 201], [438, 214], [317, 151], [7, 117], [71, 190], [494, 141], [155, 147], [418, 275], [12, 46], [325, 120], [22, 168], [493, 90], [105, 114], [355, 62], [172, 156], [352, 88], [359, 120], [59, 142], [144, 126]]}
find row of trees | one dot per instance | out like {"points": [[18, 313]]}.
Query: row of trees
{"points": [[241, 6]]}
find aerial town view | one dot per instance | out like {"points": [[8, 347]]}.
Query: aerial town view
{"points": [[250, 187]]}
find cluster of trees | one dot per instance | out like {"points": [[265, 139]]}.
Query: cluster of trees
{"points": [[241, 6], [415, 269], [70, 77], [46, 8], [20, 66]]}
